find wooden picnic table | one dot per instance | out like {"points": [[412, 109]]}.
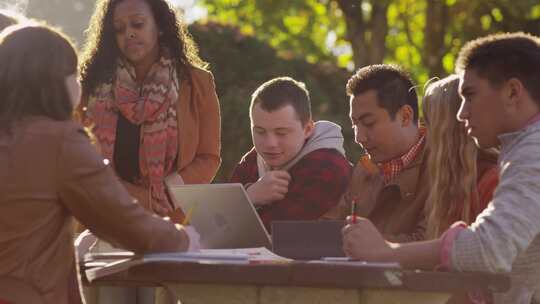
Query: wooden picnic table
{"points": [[299, 282]]}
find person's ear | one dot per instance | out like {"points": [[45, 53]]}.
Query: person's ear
{"points": [[309, 128], [513, 92], [405, 115]]}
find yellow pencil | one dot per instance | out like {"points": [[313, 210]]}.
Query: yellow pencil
{"points": [[189, 213]]}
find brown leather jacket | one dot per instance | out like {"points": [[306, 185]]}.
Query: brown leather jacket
{"points": [[398, 209], [50, 173], [199, 125]]}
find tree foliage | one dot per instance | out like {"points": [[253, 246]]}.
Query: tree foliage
{"points": [[320, 42], [286, 25], [422, 35]]}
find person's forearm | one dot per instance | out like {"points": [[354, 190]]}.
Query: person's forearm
{"points": [[421, 255]]}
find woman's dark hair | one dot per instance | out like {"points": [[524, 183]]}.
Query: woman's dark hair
{"points": [[34, 63], [101, 51]]}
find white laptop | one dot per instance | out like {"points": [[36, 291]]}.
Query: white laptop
{"points": [[222, 214]]}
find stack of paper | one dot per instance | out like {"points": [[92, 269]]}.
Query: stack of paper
{"points": [[106, 263], [255, 255]]}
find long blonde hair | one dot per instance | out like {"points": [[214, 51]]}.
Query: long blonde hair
{"points": [[452, 158]]}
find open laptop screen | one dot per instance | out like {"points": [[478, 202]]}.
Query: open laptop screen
{"points": [[222, 214]]}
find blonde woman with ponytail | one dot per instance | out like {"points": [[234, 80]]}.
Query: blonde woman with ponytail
{"points": [[462, 177]]}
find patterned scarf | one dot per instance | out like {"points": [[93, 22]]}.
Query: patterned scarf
{"points": [[151, 105]]}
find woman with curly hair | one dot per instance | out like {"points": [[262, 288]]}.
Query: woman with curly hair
{"points": [[462, 176], [146, 94]]}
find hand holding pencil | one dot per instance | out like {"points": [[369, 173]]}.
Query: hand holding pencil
{"points": [[178, 216], [368, 182], [362, 241], [189, 214], [192, 234]]}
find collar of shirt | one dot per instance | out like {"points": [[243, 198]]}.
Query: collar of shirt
{"points": [[533, 120], [508, 140], [392, 168]]}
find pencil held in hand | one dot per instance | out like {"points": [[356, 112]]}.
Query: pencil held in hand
{"points": [[353, 210], [187, 219], [177, 216], [368, 165]]}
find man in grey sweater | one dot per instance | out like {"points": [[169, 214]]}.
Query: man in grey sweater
{"points": [[500, 87]]}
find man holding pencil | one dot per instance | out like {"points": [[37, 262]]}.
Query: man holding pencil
{"points": [[499, 77], [389, 183]]}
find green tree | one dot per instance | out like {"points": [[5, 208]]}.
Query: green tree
{"points": [[315, 40], [366, 29], [424, 36], [286, 25], [314, 29]]}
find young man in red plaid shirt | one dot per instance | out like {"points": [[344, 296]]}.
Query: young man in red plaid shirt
{"points": [[384, 115], [297, 169]]}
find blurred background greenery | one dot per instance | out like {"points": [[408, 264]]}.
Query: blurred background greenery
{"points": [[320, 42]]}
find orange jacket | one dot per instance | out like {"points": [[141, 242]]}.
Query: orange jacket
{"points": [[199, 132]]}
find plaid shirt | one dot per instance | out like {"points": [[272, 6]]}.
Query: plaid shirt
{"points": [[317, 182], [392, 168]]}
